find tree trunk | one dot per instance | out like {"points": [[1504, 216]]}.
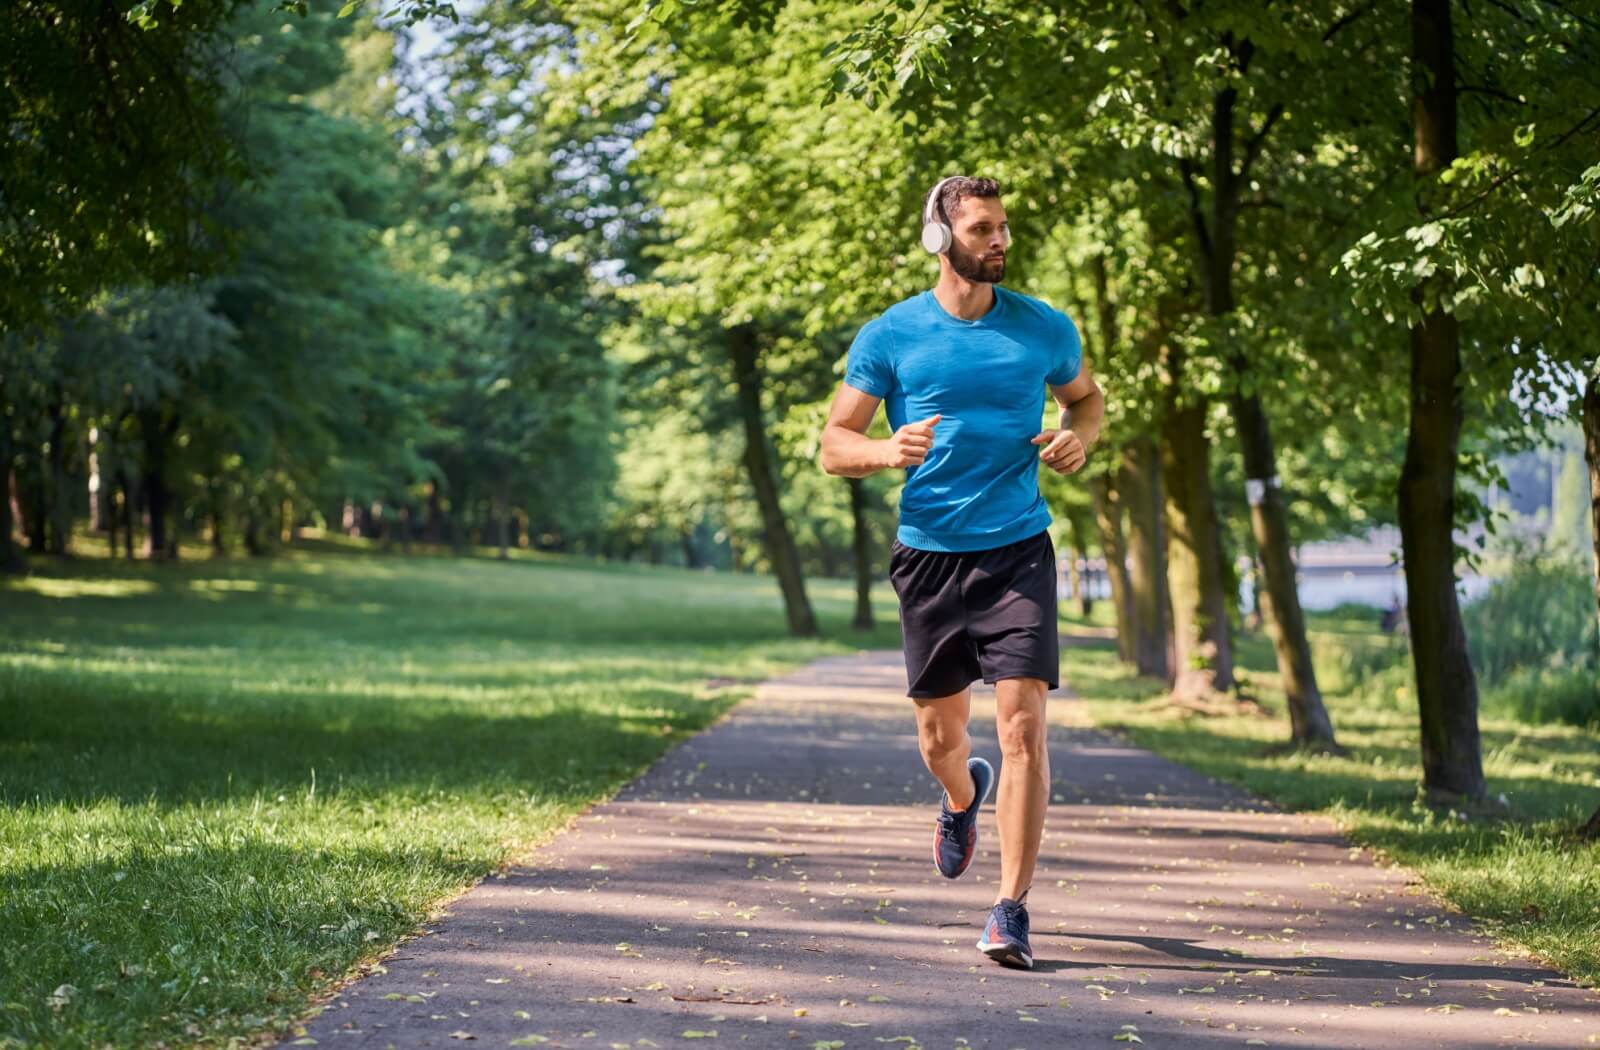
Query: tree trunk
{"points": [[1140, 488], [1447, 690], [1108, 519], [863, 553], [125, 481], [219, 547], [1217, 248], [252, 534], [32, 501], [502, 524], [177, 514], [1309, 724], [97, 516], [154, 483], [1591, 443], [1202, 646], [113, 518], [57, 478], [1075, 591], [10, 556], [759, 467]]}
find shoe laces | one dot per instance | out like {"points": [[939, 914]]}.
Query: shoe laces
{"points": [[949, 823], [1014, 918]]}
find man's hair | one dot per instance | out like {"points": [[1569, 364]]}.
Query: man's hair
{"points": [[959, 189]]}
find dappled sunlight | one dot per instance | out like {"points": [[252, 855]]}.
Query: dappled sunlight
{"points": [[59, 587]]}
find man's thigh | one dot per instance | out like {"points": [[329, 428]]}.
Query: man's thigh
{"points": [[941, 659], [1011, 612]]}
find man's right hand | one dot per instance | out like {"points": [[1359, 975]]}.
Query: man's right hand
{"points": [[909, 445]]}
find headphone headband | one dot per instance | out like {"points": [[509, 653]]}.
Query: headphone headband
{"points": [[933, 198], [936, 232]]}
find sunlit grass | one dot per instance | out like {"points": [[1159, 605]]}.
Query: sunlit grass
{"points": [[227, 782], [1525, 877]]}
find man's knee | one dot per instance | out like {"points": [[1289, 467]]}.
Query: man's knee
{"points": [[941, 729], [1021, 725]]}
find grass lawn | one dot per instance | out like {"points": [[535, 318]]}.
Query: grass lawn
{"points": [[224, 783], [1523, 877]]}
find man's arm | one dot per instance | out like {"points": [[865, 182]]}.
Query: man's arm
{"points": [[1083, 406], [848, 452]]}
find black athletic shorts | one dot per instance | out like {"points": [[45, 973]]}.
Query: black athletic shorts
{"points": [[987, 614]]}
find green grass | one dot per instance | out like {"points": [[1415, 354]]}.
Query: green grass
{"points": [[1525, 878], [226, 783]]}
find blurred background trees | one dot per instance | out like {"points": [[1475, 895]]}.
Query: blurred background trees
{"points": [[581, 278]]}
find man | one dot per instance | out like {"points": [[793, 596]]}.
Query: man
{"points": [[963, 369]]}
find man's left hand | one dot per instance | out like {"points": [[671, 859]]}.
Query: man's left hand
{"points": [[1063, 450]]}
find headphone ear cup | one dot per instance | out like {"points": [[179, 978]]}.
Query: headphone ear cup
{"points": [[935, 238]]}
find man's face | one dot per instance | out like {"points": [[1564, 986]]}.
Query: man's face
{"points": [[977, 245]]}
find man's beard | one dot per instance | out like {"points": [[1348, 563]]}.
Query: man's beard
{"points": [[975, 268]]}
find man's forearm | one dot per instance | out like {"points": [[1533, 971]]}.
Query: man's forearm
{"points": [[1083, 417], [850, 454]]}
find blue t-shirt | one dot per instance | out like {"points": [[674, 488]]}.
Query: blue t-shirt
{"points": [[978, 487]]}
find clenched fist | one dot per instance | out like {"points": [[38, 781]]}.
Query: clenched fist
{"points": [[909, 445], [1063, 450]]}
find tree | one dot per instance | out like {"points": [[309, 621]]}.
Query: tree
{"points": [[1492, 233], [115, 147]]}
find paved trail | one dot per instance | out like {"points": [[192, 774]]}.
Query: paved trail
{"points": [[769, 883]]}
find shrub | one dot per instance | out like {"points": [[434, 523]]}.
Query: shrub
{"points": [[1539, 617]]}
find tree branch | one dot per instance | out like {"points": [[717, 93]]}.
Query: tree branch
{"points": [[1566, 10], [1196, 212], [1333, 30], [1252, 148], [1515, 172], [1483, 89]]}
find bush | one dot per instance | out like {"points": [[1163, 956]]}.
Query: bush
{"points": [[1539, 695], [1534, 640], [1539, 618], [1348, 662]]}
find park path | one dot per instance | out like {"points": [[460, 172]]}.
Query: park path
{"points": [[769, 883]]}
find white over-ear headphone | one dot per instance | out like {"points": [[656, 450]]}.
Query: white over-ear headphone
{"points": [[936, 235]]}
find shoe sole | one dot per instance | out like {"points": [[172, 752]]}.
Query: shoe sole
{"points": [[1007, 955], [986, 788]]}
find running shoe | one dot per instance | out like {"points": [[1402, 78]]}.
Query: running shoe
{"points": [[1005, 935], [955, 838]]}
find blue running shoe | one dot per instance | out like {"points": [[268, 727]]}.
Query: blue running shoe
{"points": [[955, 838], [1005, 935]]}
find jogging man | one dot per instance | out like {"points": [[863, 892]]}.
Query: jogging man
{"points": [[963, 369]]}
